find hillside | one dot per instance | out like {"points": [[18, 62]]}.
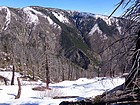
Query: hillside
{"points": [[72, 44]]}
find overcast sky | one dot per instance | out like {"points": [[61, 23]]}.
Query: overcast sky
{"points": [[104, 7]]}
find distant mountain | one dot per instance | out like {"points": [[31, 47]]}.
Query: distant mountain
{"points": [[72, 42]]}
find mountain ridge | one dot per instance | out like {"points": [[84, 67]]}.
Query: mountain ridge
{"points": [[70, 40]]}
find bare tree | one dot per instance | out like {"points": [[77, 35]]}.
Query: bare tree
{"points": [[133, 13], [129, 91], [134, 75]]}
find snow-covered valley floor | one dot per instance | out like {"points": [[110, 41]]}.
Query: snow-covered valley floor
{"points": [[83, 88]]}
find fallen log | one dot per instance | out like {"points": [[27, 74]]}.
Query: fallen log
{"points": [[60, 97], [76, 103], [119, 96]]}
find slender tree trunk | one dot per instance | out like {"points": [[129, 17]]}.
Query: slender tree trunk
{"points": [[47, 74], [33, 71], [13, 75], [77, 73], [5, 81], [63, 75], [62, 70]]}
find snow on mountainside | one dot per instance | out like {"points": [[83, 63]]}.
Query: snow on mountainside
{"points": [[85, 14], [94, 29], [50, 20], [109, 21], [90, 22], [61, 17], [8, 17], [97, 29], [31, 17]]}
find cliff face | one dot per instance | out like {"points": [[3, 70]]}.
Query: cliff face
{"points": [[71, 42]]}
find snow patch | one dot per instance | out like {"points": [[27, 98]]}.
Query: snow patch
{"points": [[60, 17], [94, 29], [118, 26], [97, 29], [104, 37], [8, 17], [119, 29], [50, 20], [53, 23], [84, 87], [32, 17]]}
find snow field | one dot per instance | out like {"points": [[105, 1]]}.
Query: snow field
{"points": [[83, 88]]}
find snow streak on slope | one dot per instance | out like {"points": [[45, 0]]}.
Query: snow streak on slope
{"points": [[60, 17], [50, 20], [94, 29], [35, 11], [118, 26], [41, 14], [8, 17], [97, 29], [32, 15]]}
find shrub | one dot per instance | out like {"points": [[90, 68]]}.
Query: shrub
{"points": [[54, 92]]}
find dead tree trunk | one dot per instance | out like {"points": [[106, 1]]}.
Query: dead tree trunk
{"points": [[46, 68], [47, 74], [5, 81], [13, 75], [19, 89]]}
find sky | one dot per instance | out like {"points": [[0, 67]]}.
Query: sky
{"points": [[104, 7]]}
